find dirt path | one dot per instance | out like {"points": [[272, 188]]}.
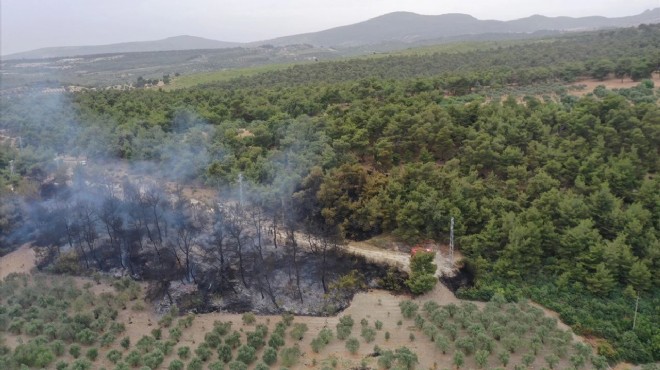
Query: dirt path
{"points": [[21, 260], [401, 260]]}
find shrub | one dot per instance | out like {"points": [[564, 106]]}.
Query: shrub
{"points": [[249, 318], [406, 358], [352, 345], [157, 333], [378, 324], [74, 350], [289, 356], [387, 335], [269, 356], [408, 309], [276, 341], [234, 339], [203, 352], [246, 354], [61, 365], [298, 331], [481, 357], [86, 337], [134, 358], [441, 343], [386, 359], [368, 333], [343, 331], [287, 318], [217, 366], [58, 347], [153, 359], [113, 356], [80, 364], [107, 339], [195, 364], [261, 366], [175, 365], [175, 334], [224, 353], [92, 354], [125, 342], [183, 352], [256, 339], [237, 365], [504, 358]]}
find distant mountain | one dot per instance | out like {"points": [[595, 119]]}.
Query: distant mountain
{"points": [[410, 27], [170, 43], [389, 29]]}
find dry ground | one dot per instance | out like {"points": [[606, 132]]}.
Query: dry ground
{"points": [[373, 305]]}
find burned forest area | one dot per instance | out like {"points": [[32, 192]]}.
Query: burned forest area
{"points": [[232, 255], [477, 207]]}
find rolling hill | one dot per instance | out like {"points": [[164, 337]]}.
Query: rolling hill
{"points": [[410, 27], [398, 29], [170, 43]]}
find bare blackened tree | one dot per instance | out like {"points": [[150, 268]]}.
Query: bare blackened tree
{"points": [[109, 213], [236, 227], [73, 233], [322, 240], [188, 224], [263, 272], [85, 213], [217, 250]]}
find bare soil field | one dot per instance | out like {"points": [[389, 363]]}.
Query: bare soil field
{"points": [[371, 306], [610, 83]]}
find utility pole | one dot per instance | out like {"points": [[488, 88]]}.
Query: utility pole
{"points": [[451, 240]]}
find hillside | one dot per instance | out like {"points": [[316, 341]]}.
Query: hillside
{"points": [[170, 43], [387, 32], [410, 27]]}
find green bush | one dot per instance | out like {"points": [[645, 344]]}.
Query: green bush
{"points": [[203, 352], [114, 356], [270, 355], [368, 333], [289, 356], [234, 339], [256, 339], [125, 342], [276, 340], [352, 345], [80, 364], [212, 339], [183, 352], [195, 364], [408, 309], [175, 365], [58, 347], [74, 350], [246, 354], [249, 318], [237, 365], [134, 358], [298, 331], [92, 354], [224, 353], [153, 359]]}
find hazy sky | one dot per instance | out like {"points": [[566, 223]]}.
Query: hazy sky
{"points": [[31, 24]]}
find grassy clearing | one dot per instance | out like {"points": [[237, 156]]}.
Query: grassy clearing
{"points": [[191, 80]]}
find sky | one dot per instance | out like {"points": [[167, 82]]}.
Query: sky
{"points": [[31, 24]]}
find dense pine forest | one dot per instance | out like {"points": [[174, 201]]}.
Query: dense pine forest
{"points": [[555, 197]]}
